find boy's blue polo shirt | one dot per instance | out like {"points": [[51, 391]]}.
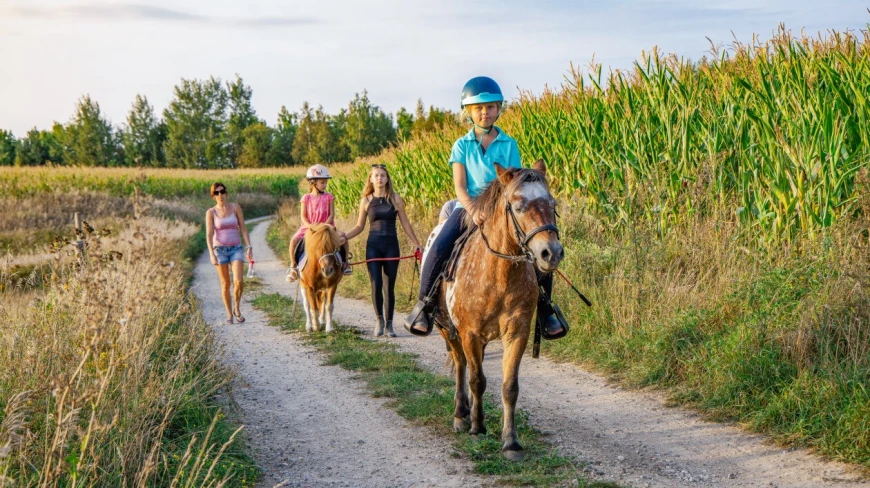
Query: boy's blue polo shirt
{"points": [[480, 167]]}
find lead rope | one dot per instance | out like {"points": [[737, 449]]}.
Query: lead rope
{"points": [[413, 279]]}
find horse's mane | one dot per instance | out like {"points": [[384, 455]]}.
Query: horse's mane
{"points": [[490, 201], [322, 236]]}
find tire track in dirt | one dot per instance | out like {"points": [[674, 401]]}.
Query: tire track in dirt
{"points": [[314, 425]]}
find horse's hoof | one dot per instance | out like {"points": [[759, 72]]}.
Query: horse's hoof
{"points": [[515, 455], [477, 430], [460, 425]]}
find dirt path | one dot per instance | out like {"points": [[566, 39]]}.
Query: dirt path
{"points": [[627, 436], [315, 425]]}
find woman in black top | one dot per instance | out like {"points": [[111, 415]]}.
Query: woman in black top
{"points": [[380, 205]]}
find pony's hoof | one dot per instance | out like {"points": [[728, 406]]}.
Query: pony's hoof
{"points": [[515, 455], [477, 430], [460, 425]]}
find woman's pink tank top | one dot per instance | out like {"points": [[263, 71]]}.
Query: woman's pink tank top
{"points": [[226, 229]]}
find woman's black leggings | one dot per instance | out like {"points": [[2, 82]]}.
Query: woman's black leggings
{"points": [[383, 247]]}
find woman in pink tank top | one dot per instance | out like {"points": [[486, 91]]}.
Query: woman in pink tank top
{"points": [[223, 225]]}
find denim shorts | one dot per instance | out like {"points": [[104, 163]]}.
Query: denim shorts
{"points": [[225, 254]]}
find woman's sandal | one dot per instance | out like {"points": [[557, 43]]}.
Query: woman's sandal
{"points": [[240, 318], [230, 321]]}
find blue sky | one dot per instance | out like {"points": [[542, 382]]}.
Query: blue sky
{"points": [[53, 51]]}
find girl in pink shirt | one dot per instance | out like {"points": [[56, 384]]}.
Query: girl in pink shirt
{"points": [[316, 206]]}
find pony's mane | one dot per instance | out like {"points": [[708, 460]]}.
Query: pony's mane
{"points": [[322, 236], [490, 200]]}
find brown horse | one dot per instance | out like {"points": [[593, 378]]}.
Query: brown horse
{"points": [[495, 291], [320, 277]]}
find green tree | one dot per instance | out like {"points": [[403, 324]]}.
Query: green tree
{"points": [[56, 142], [404, 123], [258, 142], [367, 128], [143, 136], [281, 152], [303, 142], [432, 121], [8, 148], [90, 140], [196, 126], [330, 135], [241, 115], [38, 148]]}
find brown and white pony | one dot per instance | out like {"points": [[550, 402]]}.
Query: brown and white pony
{"points": [[319, 278], [495, 291]]}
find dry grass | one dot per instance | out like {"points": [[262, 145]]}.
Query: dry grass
{"points": [[110, 373]]}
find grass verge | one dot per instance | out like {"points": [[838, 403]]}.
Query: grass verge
{"points": [[110, 374], [427, 399]]}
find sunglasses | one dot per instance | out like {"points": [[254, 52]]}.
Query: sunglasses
{"points": [[379, 166], [220, 192]]}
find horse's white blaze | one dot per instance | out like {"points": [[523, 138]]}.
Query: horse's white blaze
{"points": [[534, 190]]}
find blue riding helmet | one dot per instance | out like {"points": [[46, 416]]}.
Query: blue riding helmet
{"points": [[481, 89]]}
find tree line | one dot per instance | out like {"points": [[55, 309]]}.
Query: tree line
{"points": [[210, 124]]}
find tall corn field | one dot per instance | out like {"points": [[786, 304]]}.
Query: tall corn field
{"points": [[769, 134]]}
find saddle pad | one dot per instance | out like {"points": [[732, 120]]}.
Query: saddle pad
{"points": [[301, 257], [451, 265]]}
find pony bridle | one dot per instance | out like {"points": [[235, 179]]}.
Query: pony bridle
{"points": [[320, 261], [526, 254]]}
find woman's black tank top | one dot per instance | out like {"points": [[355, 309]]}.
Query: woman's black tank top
{"points": [[382, 217]]}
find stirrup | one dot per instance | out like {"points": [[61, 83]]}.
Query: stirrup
{"points": [[419, 315], [560, 319]]}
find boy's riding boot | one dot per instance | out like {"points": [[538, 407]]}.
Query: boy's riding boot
{"points": [[419, 321], [379, 329], [390, 331]]}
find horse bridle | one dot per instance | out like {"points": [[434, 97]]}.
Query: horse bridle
{"points": [[522, 238], [320, 260]]}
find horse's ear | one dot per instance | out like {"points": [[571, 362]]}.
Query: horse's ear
{"points": [[541, 166], [504, 176]]}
